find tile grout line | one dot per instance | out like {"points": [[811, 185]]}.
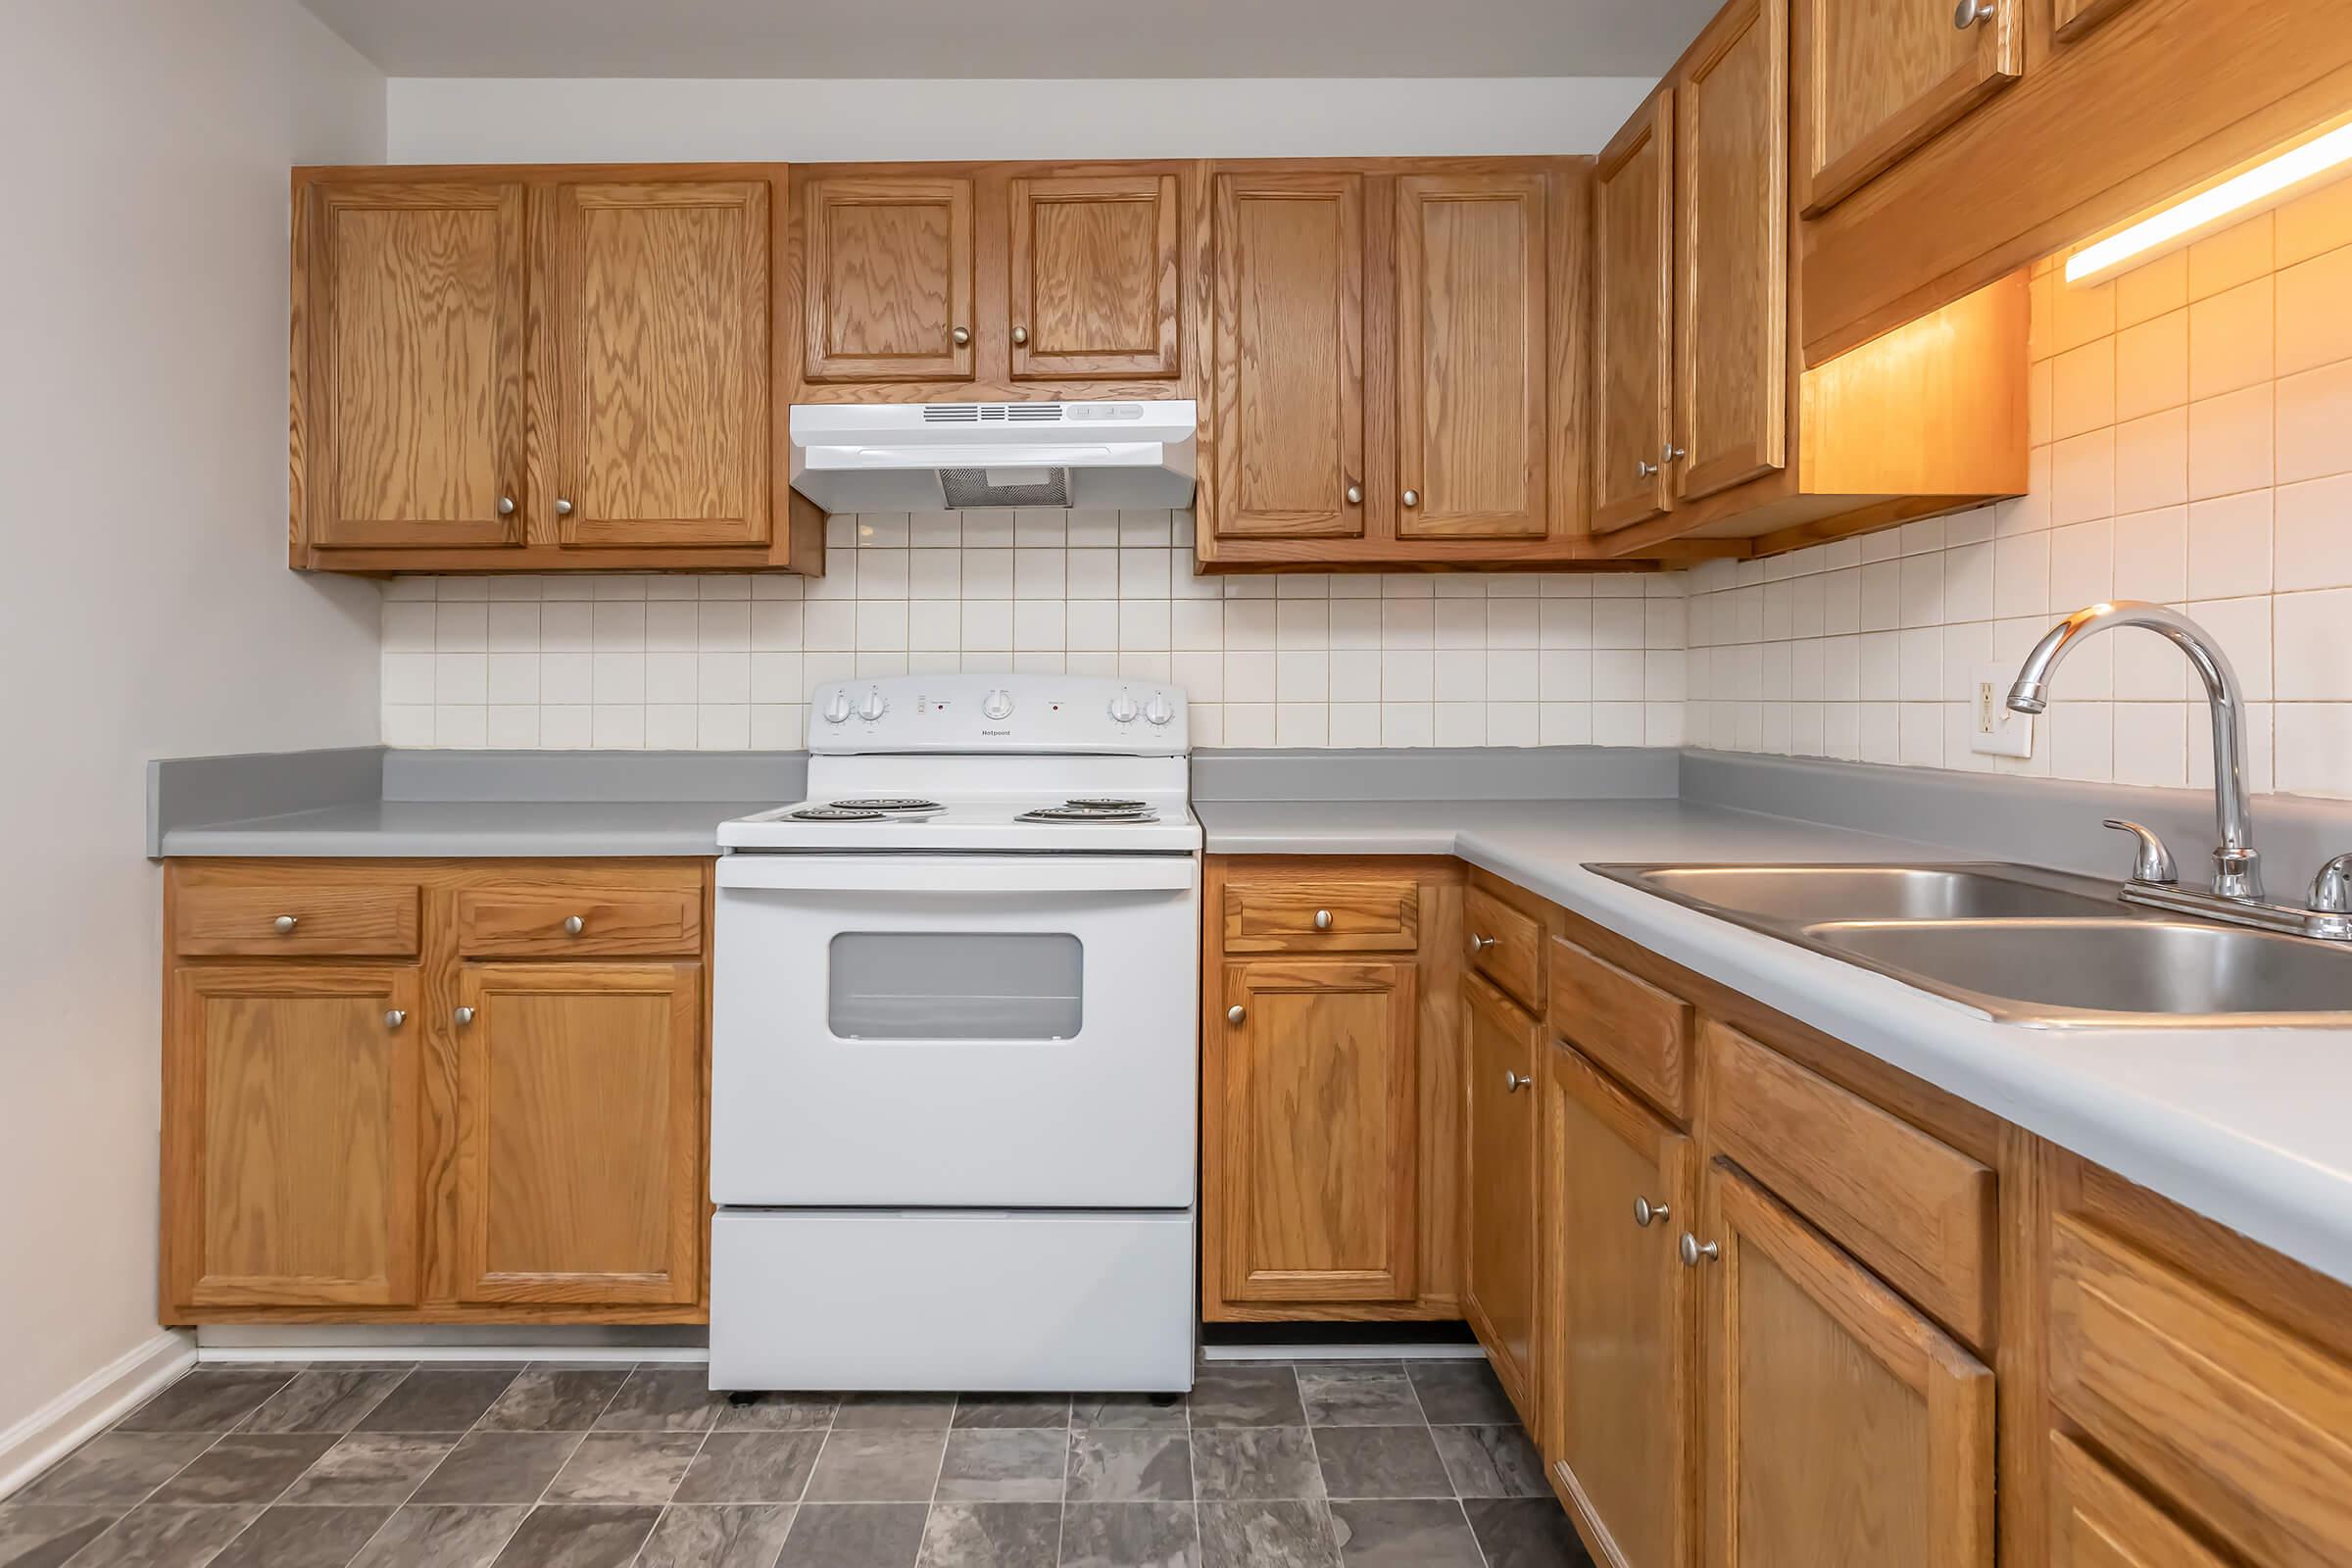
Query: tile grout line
{"points": [[117, 1523], [470, 1430]]}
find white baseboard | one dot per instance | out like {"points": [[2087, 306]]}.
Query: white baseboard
{"points": [[1367, 1350], [397, 1342], [107, 1395]]}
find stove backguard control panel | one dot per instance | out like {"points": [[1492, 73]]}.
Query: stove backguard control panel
{"points": [[999, 713]]}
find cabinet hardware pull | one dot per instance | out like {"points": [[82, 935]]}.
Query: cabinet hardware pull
{"points": [[1480, 944], [1412, 498], [282, 924], [562, 508], [1021, 335], [961, 335], [573, 925], [1236, 1013], [1693, 1249], [1644, 468], [1675, 453], [464, 1016], [1645, 1211], [1968, 13], [1355, 495], [1513, 1082], [395, 1018], [506, 506], [1322, 919]]}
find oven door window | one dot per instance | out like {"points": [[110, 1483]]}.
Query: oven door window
{"points": [[954, 985]]}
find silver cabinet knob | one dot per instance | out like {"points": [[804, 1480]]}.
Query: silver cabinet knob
{"points": [[1644, 468], [573, 925], [1513, 1082], [961, 335], [1695, 1249], [394, 1017], [464, 1016], [1675, 453], [1020, 334], [506, 506], [1412, 498], [1355, 495], [1236, 1013], [1645, 1211], [1968, 13], [1322, 919], [282, 924], [1480, 944], [562, 508]]}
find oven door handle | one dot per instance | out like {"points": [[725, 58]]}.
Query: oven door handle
{"points": [[959, 873]]}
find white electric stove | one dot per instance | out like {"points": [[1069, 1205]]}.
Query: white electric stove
{"points": [[955, 1001]]}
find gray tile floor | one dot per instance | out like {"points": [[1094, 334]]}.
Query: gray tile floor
{"points": [[1370, 1464]]}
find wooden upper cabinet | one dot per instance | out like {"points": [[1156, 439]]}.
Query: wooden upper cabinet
{"points": [[1095, 277], [1632, 319], [580, 1130], [1618, 1317], [887, 261], [409, 413], [1840, 1424], [291, 1128], [1500, 1277], [1289, 399], [1473, 362], [1317, 1205], [1878, 78], [1730, 322], [661, 364]]}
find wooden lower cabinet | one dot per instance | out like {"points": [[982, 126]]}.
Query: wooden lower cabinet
{"points": [[1499, 1275], [435, 1139]]}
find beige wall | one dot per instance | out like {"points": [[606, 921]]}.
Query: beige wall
{"points": [[147, 610]]}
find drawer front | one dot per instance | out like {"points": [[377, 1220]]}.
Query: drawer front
{"points": [[1371, 914], [1628, 1025], [347, 920], [552, 922], [2097, 1520], [2246, 1426], [1917, 1210], [1506, 946]]}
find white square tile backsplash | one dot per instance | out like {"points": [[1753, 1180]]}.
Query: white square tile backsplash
{"points": [[725, 662]]}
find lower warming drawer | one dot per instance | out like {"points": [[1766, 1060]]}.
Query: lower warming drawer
{"points": [[951, 1300]]}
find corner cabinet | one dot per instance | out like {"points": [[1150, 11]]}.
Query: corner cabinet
{"points": [[538, 369], [1499, 1274], [434, 1092]]}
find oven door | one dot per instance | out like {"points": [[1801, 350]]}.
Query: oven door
{"points": [[954, 1031]]}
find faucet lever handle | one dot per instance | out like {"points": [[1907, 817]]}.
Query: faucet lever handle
{"points": [[2331, 889], [2154, 862]]}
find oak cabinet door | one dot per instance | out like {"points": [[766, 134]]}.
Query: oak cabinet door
{"points": [[1095, 277], [1618, 1317], [1841, 1425], [1472, 356], [410, 428], [1319, 1087], [1289, 357], [1632, 319], [1875, 79], [291, 1142], [1498, 1294], [889, 277], [1732, 251], [661, 364], [2100, 1520], [580, 1131]]}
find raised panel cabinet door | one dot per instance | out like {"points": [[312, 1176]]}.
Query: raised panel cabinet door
{"points": [[1875, 79], [1632, 319], [1840, 1424], [1473, 357], [1498, 1294], [1289, 392], [1617, 1316], [2072, 19], [1318, 1114], [662, 369], [409, 432], [1731, 322], [888, 269], [1094, 276], [581, 1128], [2100, 1520], [291, 1138]]}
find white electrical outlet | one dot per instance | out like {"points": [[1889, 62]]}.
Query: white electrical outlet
{"points": [[1993, 728]]}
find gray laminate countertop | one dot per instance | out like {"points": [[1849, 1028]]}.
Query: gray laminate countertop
{"points": [[425, 829]]}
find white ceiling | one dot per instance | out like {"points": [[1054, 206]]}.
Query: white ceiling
{"points": [[1017, 38]]}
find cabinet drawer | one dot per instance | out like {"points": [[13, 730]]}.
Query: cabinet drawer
{"points": [[344, 919], [538, 922], [1628, 1025], [1365, 915], [2246, 1425], [1917, 1210], [1506, 946], [2097, 1520]]}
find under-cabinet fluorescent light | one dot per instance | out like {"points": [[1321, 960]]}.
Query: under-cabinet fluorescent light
{"points": [[2264, 180]]}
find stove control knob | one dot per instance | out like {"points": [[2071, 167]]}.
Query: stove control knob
{"points": [[1158, 709], [837, 709], [997, 704], [1124, 708], [872, 708]]}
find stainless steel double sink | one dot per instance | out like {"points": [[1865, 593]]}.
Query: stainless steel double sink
{"points": [[2023, 944]]}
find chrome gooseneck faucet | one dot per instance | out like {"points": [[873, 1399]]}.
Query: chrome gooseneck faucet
{"points": [[2237, 897]]}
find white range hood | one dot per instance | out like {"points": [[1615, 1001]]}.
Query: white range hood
{"points": [[960, 456]]}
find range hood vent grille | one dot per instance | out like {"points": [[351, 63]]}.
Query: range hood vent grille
{"points": [[969, 490], [992, 414]]}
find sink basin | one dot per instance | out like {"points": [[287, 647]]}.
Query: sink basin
{"points": [[1804, 894], [2177, 973]]}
